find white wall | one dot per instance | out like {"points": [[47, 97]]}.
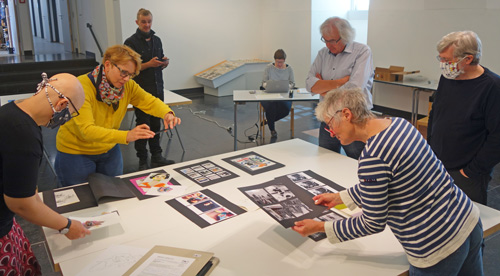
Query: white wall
{"points": [[100, 14], [286, 24], [405, 33], [198, 34]]}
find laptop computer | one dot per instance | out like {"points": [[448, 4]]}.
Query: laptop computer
{"points": [[277, 86]]}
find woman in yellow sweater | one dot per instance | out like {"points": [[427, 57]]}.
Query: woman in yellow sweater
{"points": [[89, 142]]}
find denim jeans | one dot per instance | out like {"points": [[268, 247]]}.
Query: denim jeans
{"points": [[352, 150], [467, 260], [74, 169]]}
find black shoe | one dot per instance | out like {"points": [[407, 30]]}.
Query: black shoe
{"points": [[160, 161], [274, 134], [143, 164]]}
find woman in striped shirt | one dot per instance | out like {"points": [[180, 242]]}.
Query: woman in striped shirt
{"points": [[402, 185]]}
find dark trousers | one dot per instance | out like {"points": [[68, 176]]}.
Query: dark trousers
{"points": [[154, 124], [275, 111], [352, 150], [475, 189]]}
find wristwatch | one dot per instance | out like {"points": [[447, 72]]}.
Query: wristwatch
{"points": [[65, 230]]}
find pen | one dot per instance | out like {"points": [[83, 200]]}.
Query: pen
{"points": [[205, 269], [163, 130]]}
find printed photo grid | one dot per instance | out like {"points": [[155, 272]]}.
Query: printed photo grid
{"points": [[205, 207], [289, 198], [253, 163], [206, 173]]}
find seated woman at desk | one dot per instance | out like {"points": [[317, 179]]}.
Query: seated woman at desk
{"points": [[279, 70], [89, 143], [402, 185]]}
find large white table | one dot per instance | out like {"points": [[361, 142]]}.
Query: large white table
{"points": [[252, 243], [243, 96]]}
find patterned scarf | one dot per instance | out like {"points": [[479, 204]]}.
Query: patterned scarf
{"points": [[107, 92]]}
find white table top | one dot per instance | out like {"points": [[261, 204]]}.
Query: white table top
{"points": [[10, 98], [412, 83], [259, 95], [249, 244], [170, 97]]}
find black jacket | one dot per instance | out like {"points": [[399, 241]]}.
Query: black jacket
{"points": [[150, 79]]}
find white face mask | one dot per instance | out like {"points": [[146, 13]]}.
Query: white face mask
{"points": [[450, 70]]}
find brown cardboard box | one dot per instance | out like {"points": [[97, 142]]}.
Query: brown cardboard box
{"points": [[393, 73]]}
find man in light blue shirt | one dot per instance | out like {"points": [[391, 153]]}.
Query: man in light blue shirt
{"points": [[342, 63]]}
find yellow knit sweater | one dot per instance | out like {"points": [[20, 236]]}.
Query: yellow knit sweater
{"points": [[95, 130]]}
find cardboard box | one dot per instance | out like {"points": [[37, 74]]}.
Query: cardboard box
{"points": [[393, 73]]}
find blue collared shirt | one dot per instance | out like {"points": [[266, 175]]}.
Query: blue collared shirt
{"points": [[355, 61]]}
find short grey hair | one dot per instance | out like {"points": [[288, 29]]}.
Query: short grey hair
{"points": [[337, 99], [347, 33], [465, 42]]}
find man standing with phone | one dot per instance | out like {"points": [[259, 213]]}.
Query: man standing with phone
{"points": [[149, 46]]}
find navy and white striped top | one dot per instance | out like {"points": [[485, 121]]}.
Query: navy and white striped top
{"points": [[404, 185]]}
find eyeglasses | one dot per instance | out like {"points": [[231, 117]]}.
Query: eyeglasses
{"points": [[124, 73], [327, 128], [74, 114], [333, 41], [440, 59]]}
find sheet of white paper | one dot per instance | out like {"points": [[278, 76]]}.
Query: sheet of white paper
{"points": [[96, 222], [167, 190], [66, 197], [162, 264], [268, 96], [302, 91], [115, 260]]}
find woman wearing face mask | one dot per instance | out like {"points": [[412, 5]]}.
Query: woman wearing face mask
{"points": [[89, 143]]}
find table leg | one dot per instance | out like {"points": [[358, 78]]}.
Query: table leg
{"points": [[414, 107], [235, 128]]}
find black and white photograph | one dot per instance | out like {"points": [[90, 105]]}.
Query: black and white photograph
{"points": [[261, 197], [295, 177], [322, 190], [331, 216], [296, 207], [309, 184], [278, 212], [279, 192]]}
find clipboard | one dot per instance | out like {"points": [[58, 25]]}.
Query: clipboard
{"points": [[203, 264]]}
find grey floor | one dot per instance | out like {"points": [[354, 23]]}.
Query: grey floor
{"points": [[202, 137]]}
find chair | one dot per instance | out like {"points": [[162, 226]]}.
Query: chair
{"points": [[262, 117], [423, 123]]}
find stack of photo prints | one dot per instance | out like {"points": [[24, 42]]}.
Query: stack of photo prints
{"points": [[288, 199], [205, 207]]}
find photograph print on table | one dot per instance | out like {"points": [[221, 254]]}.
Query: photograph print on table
{"points": [[206, 173], [288, 198], [205, 207], [253, 163], [142, 184]]}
